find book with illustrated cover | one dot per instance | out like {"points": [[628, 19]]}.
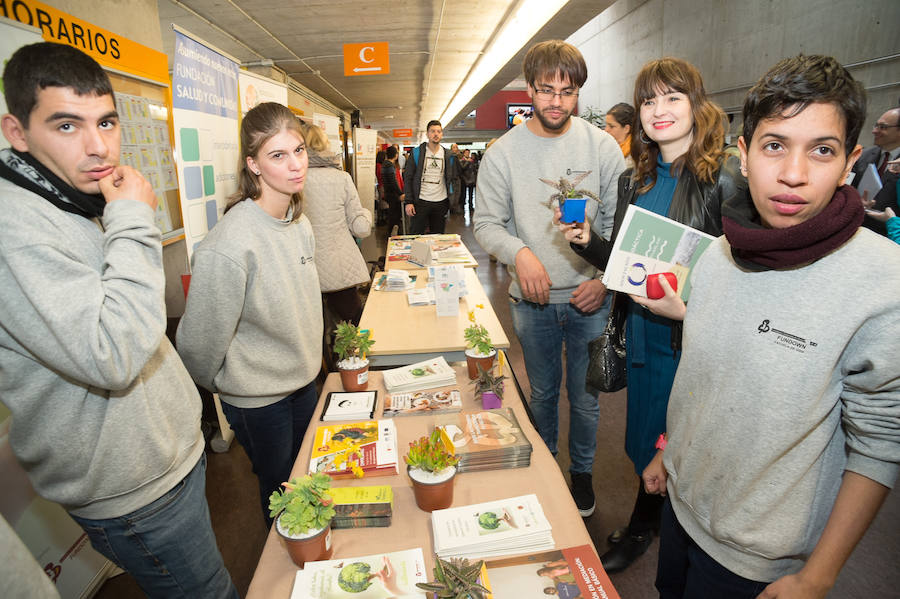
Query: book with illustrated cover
{"points": [[422, 402], [649, 244], [362, 507], [486, 439], [490, 529], [426, 374], [378, 576], [353, 405], [371, 444], [570, 573]]}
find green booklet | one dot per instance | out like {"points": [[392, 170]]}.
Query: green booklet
{"points": [[649, 244]]}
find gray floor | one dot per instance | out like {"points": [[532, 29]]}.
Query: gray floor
{"points": [[873, 571]]}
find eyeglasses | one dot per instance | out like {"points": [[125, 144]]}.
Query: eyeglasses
{"points": [[547, 94], [883, 126]]}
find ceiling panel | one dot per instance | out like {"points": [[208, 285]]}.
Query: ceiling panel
{"points": [[433, 46]]}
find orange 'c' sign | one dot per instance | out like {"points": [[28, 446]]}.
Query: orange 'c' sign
{"points": [[366, 59]]}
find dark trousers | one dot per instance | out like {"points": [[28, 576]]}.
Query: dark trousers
{"points": [[647, 511], [685, 571], [271, 436], [470, 195], [344, 304], [394, 217], [430, 214]]}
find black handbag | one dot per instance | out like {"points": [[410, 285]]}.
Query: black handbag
{"points": [[606, 353]]}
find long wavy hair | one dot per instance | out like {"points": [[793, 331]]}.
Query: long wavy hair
{"points": [[705, 152], [260, 124]]}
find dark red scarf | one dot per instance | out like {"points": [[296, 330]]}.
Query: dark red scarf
{"points": [[759, 248]]}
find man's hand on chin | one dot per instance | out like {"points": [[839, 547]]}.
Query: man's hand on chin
{"points": [[125, 183]]}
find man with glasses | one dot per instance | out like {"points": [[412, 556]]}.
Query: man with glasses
{"points": [[886, 133], [556, 298], [428, 182]]}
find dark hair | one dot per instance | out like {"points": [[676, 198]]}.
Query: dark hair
{"points": [[623, 113], [260, 124], [554, 58], [432, 124], [795, 83], [703, 156], [379, 156], [46, 64], [391, 152]]}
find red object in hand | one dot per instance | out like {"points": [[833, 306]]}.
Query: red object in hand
{"points": [[655, 290]]}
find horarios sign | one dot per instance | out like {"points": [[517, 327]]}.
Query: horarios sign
{"points": [[107, 48]]}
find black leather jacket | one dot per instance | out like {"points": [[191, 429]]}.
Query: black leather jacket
{"points": [[696, 204]]}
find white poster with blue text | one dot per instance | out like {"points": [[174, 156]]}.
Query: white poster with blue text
{"points": [[205, 115]]}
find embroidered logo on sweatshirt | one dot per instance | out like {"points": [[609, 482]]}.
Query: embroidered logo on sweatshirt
{"points": [[785, 339]]}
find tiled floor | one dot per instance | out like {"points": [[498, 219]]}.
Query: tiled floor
{"points": [[872, 572]]}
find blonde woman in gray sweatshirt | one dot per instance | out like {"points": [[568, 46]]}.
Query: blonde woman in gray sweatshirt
{"points": [[252, 328]]}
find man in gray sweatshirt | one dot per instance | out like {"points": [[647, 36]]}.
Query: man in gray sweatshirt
{"points": [[780, 454], [105, 419], [556, 297]]}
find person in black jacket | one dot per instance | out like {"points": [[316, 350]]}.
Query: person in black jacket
{"points": [[428, 181], [392, 193], [886, 133], [682, 173]]}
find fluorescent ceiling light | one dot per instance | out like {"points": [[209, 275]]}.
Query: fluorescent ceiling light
{"points": [[528, 18]]}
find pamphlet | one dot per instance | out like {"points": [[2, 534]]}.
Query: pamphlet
{"points": [[870, 182], [446, 289], [486, 439], [571, 573], [343, 405], [421, 403], [649, 244], [376, 576], [372, 445], [427, 374], [362, 507], [493, 528]]}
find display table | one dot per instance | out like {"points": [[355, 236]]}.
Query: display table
{"points": [[411, 527], [399, 246], [406, 334]]}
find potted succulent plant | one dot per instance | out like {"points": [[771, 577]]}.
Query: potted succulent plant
{"points": [[479, 349], [432, 468], [489, 388], [456, 578], [351, 346], [303, 512]]}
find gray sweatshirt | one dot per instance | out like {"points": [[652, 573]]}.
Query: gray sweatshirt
{"points": [[787, 379], [252, 327], [513, 209], [105, 419]]}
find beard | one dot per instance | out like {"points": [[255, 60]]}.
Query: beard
{"points": [[550, 124]]}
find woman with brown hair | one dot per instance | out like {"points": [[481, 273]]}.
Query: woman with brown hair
{"points": [[681, 172], [252, 328], [619, 121]]}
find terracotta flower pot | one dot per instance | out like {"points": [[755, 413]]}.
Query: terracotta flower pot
{"points": [[309, 547], [473, 360], [356, 379], [431, 496]]}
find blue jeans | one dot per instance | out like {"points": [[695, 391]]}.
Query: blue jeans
{"points": [[684, 571], [271, 436], [542, 330], [168, 546]]}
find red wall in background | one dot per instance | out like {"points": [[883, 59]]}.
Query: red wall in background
{"points": [[492, 114]]}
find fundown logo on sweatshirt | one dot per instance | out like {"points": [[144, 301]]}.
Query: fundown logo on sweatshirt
{"points": [[784, 339]]}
